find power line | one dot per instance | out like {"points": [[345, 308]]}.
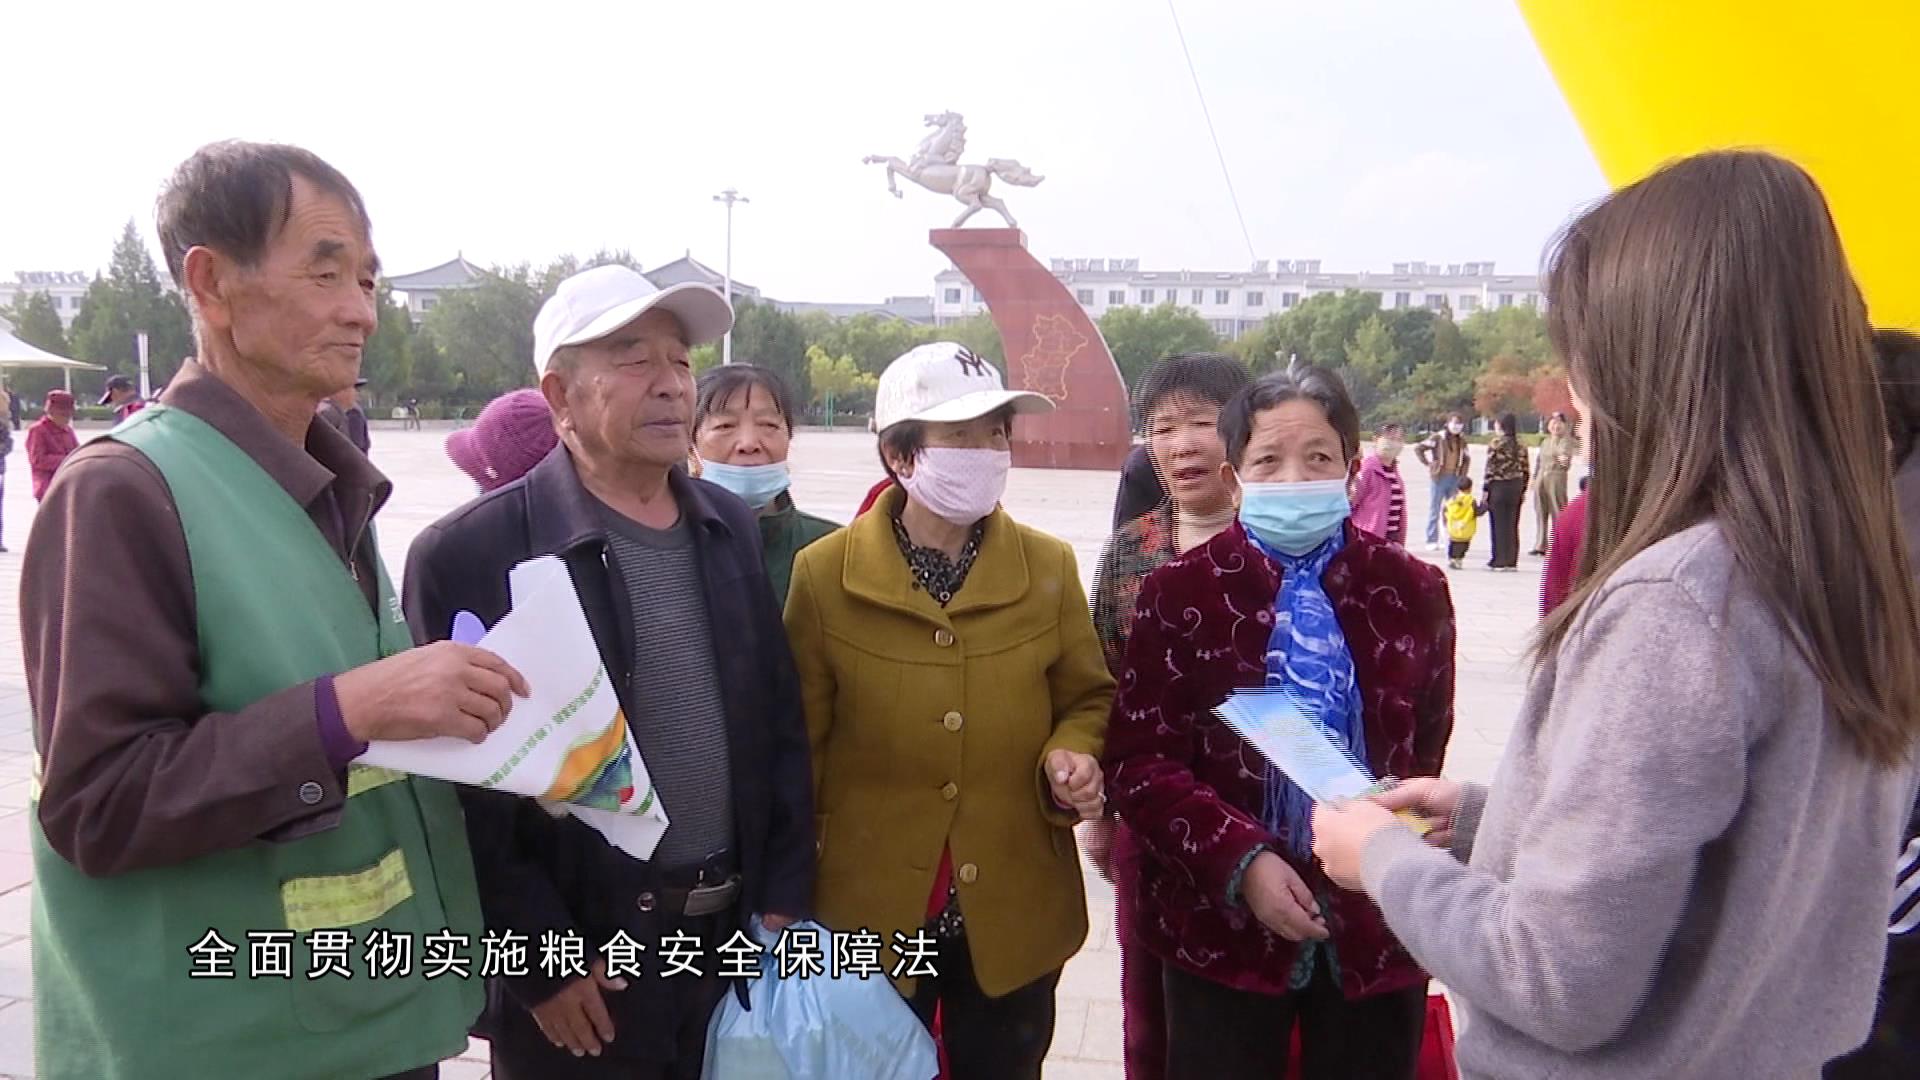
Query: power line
{"points": [[1208, 114]]}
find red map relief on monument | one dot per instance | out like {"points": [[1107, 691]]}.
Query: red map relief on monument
{"points": [[1043, 369]]}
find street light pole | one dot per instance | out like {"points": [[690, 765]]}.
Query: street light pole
{"points": [[729, 196]]}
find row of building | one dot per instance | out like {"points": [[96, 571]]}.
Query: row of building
{"points": [[1232, 302], [1235, 302]]}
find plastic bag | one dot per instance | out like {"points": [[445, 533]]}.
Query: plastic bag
{"points": [[817, 1027]]}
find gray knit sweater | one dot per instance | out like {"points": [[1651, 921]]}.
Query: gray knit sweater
{"points": [[1681, 870]]}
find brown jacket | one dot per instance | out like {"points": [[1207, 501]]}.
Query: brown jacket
{"points": [[1444, 454], [929, 727], [135, 772]]}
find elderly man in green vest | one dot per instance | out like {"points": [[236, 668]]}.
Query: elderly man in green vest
{"points": [[210, 641]]}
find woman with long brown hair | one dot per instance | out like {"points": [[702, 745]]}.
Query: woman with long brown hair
{"points": [[1672, 875]]}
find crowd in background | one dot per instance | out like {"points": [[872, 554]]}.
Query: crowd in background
{"points": [[897, 724]]}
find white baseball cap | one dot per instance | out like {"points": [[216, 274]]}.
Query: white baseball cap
{"points": [[943, 382], [594, 303]]}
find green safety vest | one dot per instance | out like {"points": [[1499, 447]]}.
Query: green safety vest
{"points": [[113, 956]]}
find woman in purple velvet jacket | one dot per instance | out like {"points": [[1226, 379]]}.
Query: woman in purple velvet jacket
{"points": [[1252, 935]]}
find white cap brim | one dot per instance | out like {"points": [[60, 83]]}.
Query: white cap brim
{"points": [[703, 312], [980, 403]]}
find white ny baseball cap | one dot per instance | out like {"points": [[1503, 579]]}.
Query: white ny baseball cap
{"points": [[594, 303], [943, 382]]}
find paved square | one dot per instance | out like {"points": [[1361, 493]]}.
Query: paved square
{"points": [[1496, 612]]}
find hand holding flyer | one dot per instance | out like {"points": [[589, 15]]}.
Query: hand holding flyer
{"points": [[567, 743], [1301, 747]]}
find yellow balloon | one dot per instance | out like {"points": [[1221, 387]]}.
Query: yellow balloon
{"points": [[1829, 84]]}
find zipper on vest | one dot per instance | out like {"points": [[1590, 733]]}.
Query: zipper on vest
{"points": [[353, 546]]}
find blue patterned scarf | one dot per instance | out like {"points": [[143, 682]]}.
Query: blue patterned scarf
{"points": [[1307, 655]]}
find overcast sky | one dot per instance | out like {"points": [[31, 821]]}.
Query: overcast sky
{"points": [[1359, 132]]}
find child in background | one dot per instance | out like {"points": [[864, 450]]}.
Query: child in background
{"points": [[1463, 519]]}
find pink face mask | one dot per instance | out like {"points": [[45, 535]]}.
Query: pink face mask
{"points": [[959, 485]]}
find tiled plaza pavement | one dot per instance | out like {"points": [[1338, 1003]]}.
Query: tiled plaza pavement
{"points": [[832, 472]]}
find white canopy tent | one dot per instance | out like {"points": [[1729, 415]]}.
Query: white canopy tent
{"points": [[15, 353]]}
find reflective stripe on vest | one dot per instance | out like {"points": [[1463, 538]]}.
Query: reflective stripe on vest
{"points": [[364, 778], [343, 900]]}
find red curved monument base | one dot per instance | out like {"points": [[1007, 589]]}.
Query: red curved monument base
{"points": [[1052, 348]]}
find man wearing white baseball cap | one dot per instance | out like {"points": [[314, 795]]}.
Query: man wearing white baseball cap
{"points": [[669, 573], [941, 638]]}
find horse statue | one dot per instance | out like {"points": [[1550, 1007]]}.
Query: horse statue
{"points": [[936, 167]]}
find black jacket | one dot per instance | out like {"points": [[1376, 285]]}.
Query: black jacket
{"points": [[1140, 488], [537, 872]]}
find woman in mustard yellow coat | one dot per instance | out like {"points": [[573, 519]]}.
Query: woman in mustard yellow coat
{"points": [[957, 700]]}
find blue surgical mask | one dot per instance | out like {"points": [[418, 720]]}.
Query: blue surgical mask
{"points": [[1294, 518], [757, 485]]}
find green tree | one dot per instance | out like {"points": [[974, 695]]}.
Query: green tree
{"points": [[1372, 371], [1432, 348], [1434, 390], [1450, 348], [1316, 331], [129, 300], [872, 341], [548, 280], [1519, 332], [835, 380], [979, 334], [429, 377], [485, 334], [386, 364], [37, 323], [774, 339], [482, 337], [1140, 338]]}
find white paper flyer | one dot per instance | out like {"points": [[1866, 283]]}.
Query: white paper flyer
{"points": [[1297, 744], [568, 743]]}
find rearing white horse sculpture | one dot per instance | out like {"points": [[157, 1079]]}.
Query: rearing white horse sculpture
{"points": [[936, 167]]}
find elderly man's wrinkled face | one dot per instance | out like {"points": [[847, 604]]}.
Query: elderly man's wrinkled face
{"points": [[627, 399], [301, 318]]}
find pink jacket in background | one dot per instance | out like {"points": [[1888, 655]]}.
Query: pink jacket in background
{"points": [[1376, 492]]}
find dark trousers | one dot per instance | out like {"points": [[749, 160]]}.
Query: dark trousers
{"points": [[684, 1003], [1215, 1032], [1143, 1012], [986, 1038], [1893, 1050], [1457, 549], [1504, 498]]}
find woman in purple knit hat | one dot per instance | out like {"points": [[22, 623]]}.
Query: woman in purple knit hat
{"points": [[510, 436]]}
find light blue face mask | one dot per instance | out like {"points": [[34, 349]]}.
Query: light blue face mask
{"points": [[757, 485], [1296, 517]]}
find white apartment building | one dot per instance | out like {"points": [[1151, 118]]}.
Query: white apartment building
{"points": [[66, 288], [1235, 302]]}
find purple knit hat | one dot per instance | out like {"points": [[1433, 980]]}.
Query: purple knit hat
{"points": [[510, 437]]}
